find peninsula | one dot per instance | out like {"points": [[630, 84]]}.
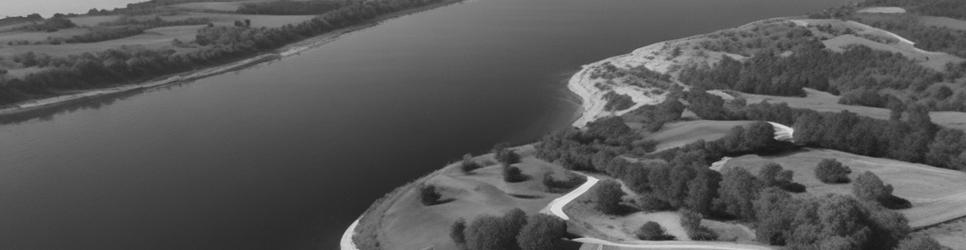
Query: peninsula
{"points": [[842, 129]]}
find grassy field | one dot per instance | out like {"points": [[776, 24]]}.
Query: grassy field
{"points": [[482, 193], [91, 21], [31, 36], [937, 194], [680, 133], [944, 22], [152, 38], [825, 102], [880, 40], [951, 234]]}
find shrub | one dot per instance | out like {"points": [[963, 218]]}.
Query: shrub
{"points": [[428, 195], [691, 221], [608, 195], [542, 232], [650, 202], [468, 164], [653, 231], [456, 231], [919, 243], [554, 185], [492, 232], [832, 171], [513, 174]]}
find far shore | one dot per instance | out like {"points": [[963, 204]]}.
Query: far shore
{"points": [[240, 64]]}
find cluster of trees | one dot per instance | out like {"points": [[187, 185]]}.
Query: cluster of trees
{"points": [[127, 65], [828, 222], [653, 231], [928, 37], [290, 7], [591, 150], [51, 24], [513, 230], [617, 102], [909, 135], [653, 117], [812, 66], [868, 187], [832, 171]]}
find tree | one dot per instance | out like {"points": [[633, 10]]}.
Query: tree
{"points": [[608, 196], [456, 231], [468, 164], [920, 243], [702, 190], [768, 174], [832, 171], [737, 191], [504, 155], [492, 232], [542, 232], [869, 187], [513, 174], [428, 195], [774, 220], [691, 221], [653, 231]]}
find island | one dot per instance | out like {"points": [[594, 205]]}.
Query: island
{"points": [[840, 129]]}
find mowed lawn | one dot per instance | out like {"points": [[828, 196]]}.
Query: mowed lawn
{"points": [[937, 194], [825, 102], [484, 192], [152, 39]]}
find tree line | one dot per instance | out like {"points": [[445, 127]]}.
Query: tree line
{"points": [[222, 44], [909, 134]]}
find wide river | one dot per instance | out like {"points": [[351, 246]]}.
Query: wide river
{"points": [[285, 155]]}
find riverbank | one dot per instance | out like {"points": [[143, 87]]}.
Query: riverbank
{"points": [[235, 65]]}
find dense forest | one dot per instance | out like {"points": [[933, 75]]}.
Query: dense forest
{"points": [[812, 66], [221, 44]]}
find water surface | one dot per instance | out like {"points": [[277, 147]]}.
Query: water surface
{"points": [[285, 155]]}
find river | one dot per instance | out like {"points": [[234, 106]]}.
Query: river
{"points": [[286, 154]]}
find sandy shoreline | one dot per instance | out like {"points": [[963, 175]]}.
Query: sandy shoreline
{"points": [[286, 51]]}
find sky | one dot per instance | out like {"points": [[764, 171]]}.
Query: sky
{"points": [[49, 7]]}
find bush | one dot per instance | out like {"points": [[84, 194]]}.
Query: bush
{"points": [[608, 196], [456, 231], [920, 243], [653, 231], [428, 195], [832, 171], [542, 232], [650, 202], [869, 187], [554, 185], [691, 221], [468, 164], [492, 232], [513, 174]]}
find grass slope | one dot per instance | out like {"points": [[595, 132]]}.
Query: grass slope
{"points": [[937, 194]]}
